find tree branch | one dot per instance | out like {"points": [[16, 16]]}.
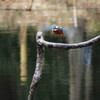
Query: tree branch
{"points": [[41, 41], [40, 53], [38, 72]]}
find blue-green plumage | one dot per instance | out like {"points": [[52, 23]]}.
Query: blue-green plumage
{"points": [[59, 28]]}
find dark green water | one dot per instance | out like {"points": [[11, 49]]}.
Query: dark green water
{"points": [[67, 74]]}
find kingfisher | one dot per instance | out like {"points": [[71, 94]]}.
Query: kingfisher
{"points": [[55, 29], [58, 30]]}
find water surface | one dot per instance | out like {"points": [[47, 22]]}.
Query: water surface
{"points": [[67, 74]]}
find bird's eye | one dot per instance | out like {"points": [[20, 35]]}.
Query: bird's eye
{"points": [[55, 29], [56, 26]]}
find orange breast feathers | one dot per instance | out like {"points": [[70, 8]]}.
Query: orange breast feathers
{"points": [[58, 32]]}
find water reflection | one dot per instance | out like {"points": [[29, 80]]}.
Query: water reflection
{"points": [[67, 75], [23, 54], [88, 72], [76, 67], [80, 66], [56, 82]]}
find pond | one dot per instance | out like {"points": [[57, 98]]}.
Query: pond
{"points": [[67, 74]]}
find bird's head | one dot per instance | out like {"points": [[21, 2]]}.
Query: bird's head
{"points": [[53, 26]]}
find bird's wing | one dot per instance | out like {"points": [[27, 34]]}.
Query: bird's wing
{"points": [[46, 28], [65, 31]]}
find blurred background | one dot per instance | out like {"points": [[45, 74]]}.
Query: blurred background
{"points": [[67, 74]]}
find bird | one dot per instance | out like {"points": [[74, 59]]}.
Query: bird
{"points": [[58, 30], [55, 29]]}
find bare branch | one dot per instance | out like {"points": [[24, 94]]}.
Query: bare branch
{"points": [[41, 41], [40, 53], [38, 71]]}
